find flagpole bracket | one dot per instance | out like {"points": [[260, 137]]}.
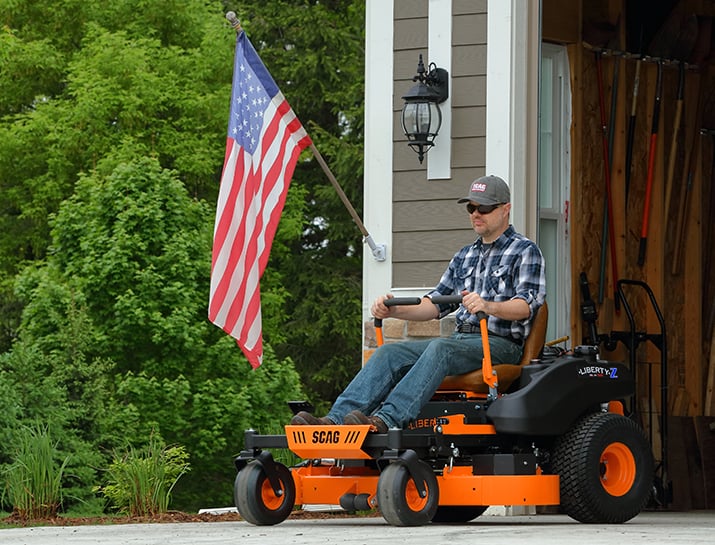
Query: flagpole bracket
{"points": [[379, 251]]}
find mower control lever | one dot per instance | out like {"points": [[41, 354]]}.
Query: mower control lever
{"points": [[436, 299], [450, 299]]}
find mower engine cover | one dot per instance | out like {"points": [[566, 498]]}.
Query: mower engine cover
{"points": [[552, 397]]}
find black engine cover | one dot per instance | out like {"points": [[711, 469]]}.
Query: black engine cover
{"points": [[551, 397]]}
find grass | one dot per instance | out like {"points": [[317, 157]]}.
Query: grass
{"points": [[140, 481], [33, 481]]}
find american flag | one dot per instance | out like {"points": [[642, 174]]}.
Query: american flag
{"points": [[264, 141]]}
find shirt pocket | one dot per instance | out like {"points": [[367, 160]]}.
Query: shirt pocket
{"points": [[500, 282], [465, 279]]}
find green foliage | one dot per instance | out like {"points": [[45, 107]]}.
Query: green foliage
{"points": [[315, 52], [66, 392], [112, 137], [33, 482], [123, 82], [209, 416], [120, 285], [140, 481], [137, 248]]}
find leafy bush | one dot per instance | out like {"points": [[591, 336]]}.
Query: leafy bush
{"points": [[140, 481], [209, 416], [33, 482], [49, 380]]}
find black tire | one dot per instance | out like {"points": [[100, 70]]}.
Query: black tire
{"points": [[255, 499], [456, 514], [605, 466], [398, 499]]}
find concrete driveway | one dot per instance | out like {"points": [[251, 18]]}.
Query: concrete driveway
{"points": [[691, 528]]}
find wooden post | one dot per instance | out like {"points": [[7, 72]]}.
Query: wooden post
{"points": [[575, 55], [693, 300]]}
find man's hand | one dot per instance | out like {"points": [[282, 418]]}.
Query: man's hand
{"points": [[379, 310], [514, 309], [426, 310], [473, 303]]}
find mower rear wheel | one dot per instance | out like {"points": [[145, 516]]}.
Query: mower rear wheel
{"points": [[399, 499], [255, 498], [605, 466], [455, 514]]}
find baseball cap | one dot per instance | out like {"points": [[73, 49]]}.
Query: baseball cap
{"points": [[488, 190]]}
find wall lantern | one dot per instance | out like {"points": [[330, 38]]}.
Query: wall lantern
{"points": [[421, 116]]}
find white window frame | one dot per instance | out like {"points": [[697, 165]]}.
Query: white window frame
{"points": [[556, 173]]}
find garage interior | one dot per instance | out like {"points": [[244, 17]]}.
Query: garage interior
{"points": [[643, 92]]}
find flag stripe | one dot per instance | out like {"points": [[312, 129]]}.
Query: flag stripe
{"points": [[236, 259], [265, 139], [274, 202]]}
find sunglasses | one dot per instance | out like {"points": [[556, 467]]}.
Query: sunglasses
{"points": [[483, 209]]}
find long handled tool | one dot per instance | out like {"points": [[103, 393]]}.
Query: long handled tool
{"points": [[611, 131], [632, 125], [689, 167], [607, 173], [674, 141], [651, 165], [684, 205], [710, 384]]}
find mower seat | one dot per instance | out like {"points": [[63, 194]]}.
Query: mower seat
{"points": [[507, 373]]}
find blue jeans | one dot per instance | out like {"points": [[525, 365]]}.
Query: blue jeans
{"points": [[400, 378]]}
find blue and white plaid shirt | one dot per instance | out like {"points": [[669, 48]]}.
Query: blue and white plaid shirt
{"points": [[511, 267]]}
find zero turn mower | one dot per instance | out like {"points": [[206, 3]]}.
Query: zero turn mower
{"points": [[543, 432]]}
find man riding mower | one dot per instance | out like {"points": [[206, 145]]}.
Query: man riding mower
{"points": [[537, 433]]}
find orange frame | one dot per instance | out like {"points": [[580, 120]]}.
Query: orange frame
{"points": [[457, 486]]}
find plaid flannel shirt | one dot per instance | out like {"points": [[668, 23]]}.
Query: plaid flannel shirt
{"points": [[512, 267]]}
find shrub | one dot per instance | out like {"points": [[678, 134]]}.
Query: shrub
{"points": [[140, 481]]}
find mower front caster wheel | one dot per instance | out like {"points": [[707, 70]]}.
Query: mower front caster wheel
{"points": [[399, 499], [255, 498]]}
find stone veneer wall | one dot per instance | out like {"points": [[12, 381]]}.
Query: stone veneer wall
{"points": [[394, 330]]}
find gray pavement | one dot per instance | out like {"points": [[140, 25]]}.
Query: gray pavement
{"points": [[691, 528]]}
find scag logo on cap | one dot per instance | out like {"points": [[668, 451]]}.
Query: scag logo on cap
{"points": [[478, 186]]}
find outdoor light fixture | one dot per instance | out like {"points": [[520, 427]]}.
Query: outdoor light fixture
{"points": [[421, 116]]}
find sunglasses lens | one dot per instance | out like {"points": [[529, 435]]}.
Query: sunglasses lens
{"points": [[482, 208]]}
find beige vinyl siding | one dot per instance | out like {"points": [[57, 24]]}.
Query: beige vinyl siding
{"points": [[428, 226]]}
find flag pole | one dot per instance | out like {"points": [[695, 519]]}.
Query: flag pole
{"points": [[378, 250]]}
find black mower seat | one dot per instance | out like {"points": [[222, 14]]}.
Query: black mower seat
{"points": [[507, 373]]}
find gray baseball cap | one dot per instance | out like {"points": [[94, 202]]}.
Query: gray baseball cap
{"points": [[488, 190]]}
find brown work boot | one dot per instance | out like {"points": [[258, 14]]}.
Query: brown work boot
{"points": [[354, 418], [304, 418]]}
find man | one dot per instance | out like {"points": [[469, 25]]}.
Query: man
{"points": [[501, 274]]}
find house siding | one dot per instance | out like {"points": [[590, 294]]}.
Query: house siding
{"points": [[428, 226]]}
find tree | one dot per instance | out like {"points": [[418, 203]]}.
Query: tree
{"points": [[315, 52], [127, 79], [126, 281], [112, 134]]}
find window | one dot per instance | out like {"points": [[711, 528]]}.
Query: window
{"points": [[554, 169]]}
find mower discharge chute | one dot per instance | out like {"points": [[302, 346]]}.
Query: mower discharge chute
{"points": [[553, 434]]}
